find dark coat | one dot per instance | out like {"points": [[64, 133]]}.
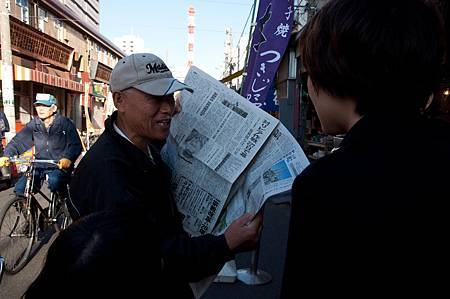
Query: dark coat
{"points": [[116, 174], [371, 217], [61, 141], [4, 124]]}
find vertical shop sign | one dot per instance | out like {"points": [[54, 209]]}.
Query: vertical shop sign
{"points": [[269, 41]]}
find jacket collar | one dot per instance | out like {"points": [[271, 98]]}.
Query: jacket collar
{"points": [[56, 121], [130, 147], [373, 126]]}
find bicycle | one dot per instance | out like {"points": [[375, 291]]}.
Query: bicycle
{"points": [[23, 217]]}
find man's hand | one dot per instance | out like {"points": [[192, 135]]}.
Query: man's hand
{"points": [[64, 163], [4, 161], [243, 234]]}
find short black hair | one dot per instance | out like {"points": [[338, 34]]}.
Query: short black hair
{"points": [[386, 54]]}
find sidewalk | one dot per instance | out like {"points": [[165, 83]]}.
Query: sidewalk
{"points": [[13, 286]]}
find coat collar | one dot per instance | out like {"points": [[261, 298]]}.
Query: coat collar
{"points": [[372, 127], [133, 150], [56, 121]]}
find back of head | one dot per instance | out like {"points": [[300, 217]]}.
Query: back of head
{"points": [[386, 53], [100, 254]]}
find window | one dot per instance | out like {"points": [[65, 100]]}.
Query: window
{"points": [[24, 13], [42, 18], [43, 14], [59, 26]]}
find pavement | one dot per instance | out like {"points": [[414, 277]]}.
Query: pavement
{"points": [[271, 259], [13, 286]]}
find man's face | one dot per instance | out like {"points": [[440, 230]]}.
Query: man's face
{"points": [[145, 116], [44, 112]]}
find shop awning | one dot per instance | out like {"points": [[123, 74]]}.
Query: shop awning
{"points": [[25, 74]]}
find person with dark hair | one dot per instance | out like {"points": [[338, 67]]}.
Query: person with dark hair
{"points": [[107, 254], [369, 219], [124, 170]]}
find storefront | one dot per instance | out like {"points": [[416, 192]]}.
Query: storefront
{"points": [[28, 82]]}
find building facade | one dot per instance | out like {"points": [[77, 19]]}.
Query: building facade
{"points": [[86, 10], [55, 50]]}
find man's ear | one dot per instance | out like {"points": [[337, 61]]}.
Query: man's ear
{"points": [[53, 108], [118, 100]]}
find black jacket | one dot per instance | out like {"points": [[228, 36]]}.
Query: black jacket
{"points": [[4, 124], [61, 141], [370, 218], [116, 174]]}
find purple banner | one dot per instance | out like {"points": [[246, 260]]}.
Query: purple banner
{"points": [[271, 103], [269, 41]]}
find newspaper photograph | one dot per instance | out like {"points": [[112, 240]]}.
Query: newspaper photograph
{"points": [[219, 127], [272, 172]]}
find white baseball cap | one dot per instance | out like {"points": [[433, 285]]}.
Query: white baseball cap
{"points": [[147, 73], [45, 99]]}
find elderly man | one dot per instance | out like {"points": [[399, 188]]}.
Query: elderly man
{"points": [[54, 138], [123, 170]]}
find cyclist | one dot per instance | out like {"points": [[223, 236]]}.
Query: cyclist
{"points": [[54, 138]]}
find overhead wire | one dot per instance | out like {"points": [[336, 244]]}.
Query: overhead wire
{"points": [[225, 2]]}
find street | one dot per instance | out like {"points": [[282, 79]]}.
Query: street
{"points": [[271, 259], [13, 286]]}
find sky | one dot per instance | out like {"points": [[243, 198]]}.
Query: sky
{"points": [[163, 26]]}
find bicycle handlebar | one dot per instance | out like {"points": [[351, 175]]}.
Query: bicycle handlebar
{"points": [[23, 160]]}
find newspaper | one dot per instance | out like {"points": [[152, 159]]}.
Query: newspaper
{"points": [[227, 157], [212, 141], [272, 172]]}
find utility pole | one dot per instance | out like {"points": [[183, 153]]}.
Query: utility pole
{"points": [[252, 27], [7, 71]]}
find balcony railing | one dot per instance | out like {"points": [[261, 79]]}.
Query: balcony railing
{"points": [[31, 42]]}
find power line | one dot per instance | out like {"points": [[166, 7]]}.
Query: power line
{"points": [[246, 22], [227, 2], [196, 29]]}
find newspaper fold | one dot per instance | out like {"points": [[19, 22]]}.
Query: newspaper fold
{"points": [[227, 156]]}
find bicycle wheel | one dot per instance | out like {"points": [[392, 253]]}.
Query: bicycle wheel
{"points": [[17, 234], [61, 214]]}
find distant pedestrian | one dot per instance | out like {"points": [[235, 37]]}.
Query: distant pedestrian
{"points": [[369, 219], [4, 127], [4, 124]]}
